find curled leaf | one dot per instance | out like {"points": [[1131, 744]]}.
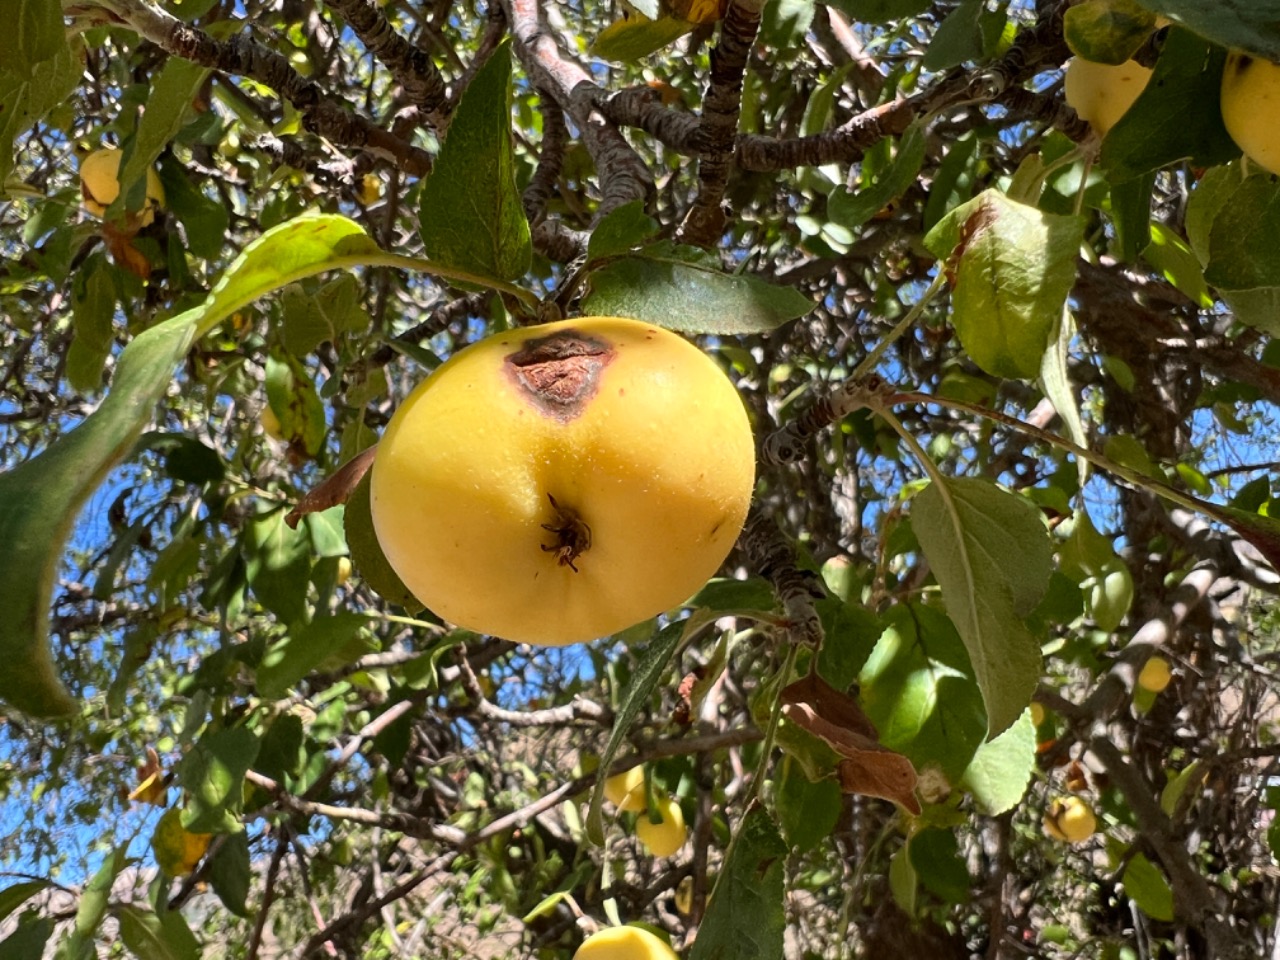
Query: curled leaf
{"points": [[867, 768]]}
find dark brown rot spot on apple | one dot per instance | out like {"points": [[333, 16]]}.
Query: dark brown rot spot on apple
{"points": [[1243, 63], [560, 374]]}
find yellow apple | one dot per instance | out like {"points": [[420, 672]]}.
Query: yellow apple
{"points": [[1101, 93], [563, 482], [626, 790], [1070, 820], [1155, 675], [1251, 107], [665, 838], [100, 185], [624, 943]]}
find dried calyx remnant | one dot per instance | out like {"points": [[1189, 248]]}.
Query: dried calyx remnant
{"points": [[560, 373], [573, 536]]}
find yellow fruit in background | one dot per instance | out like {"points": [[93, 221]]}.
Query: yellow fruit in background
{"points": [[177, 849], [684, 896], [563, 482], [1155, 675], [626, 790], [370, 190], [343, 573], [665, 838], [100, 185], [624, 943], [1251, 107], [1101, 93], [1070, 820], [1037, 714]]}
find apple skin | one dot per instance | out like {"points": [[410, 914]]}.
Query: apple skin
{"points": [[1251, 107], [665, 838], [1101, 93], [626, 790], [1070, 820], [624, 943], [557, 502], [100, 185], [1155, 675]]}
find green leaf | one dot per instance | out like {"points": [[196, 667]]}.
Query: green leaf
{"points": [[636, 36], [40, 498], [1249, 25], [807, 811], [784, 23], [312, 320], [1016, 267], [298, 248], [306, 647], [292, 397], [281, 753], [745, 919], [37, 71], [959, 37], [92, 908], [1176, 117], [229, 872], [1242, 251], [471, 216], [1212, 193], [1191, 776], [992, 558], [852, 210], [150, 936], [168, 109], [650, 667], [1107, 31], [93, 305], [880, 11], [185, 458], [999, 772], [1148, 888], [622, 229], [690, 297], [206, 219], [27, 941], [935, 858], [278, 564], [1055, 381], [919, 690], [366, 552], [850, 632], [903, 882], [1131, 216], [212, 773], [16, 894], [1173, 257]]}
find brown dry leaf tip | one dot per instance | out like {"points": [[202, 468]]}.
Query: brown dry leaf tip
{"points": [[560, 373], [333, 489], [836, 718], [573, 536]]}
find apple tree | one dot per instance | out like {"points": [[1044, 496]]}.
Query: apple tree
{"points": [[990, 670]]}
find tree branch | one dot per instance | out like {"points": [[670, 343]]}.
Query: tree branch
{"points": [[417, 75], [241, 56], [704, 222]]}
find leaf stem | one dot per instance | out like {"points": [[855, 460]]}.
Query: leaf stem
{"points": [[870, 360]]}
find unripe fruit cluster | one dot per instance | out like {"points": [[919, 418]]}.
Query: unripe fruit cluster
{"points": [[626, 792]]}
